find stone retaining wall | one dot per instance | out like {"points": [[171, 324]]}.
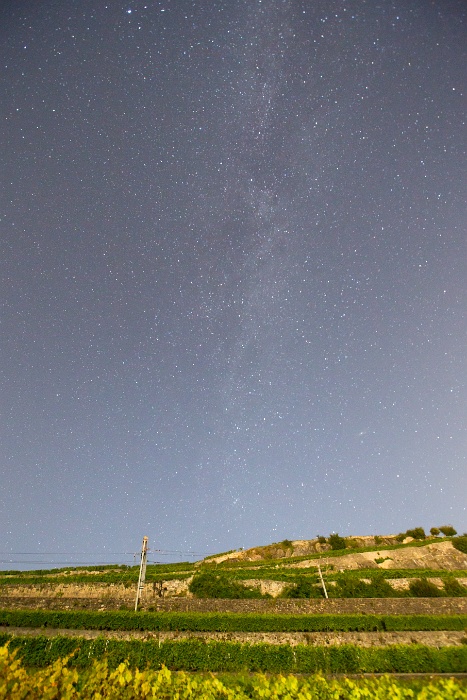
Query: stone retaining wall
{"points": [[378, 606], [363, 639], [155, 591], [125, 593]]}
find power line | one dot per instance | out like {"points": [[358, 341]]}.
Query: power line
{"points": [[58, 553], [161, 552], [62, 554]]}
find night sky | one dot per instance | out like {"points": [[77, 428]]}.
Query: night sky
{"points": [[233, 273]]}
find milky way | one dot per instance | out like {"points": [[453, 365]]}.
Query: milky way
{"points": [[233, 273]]}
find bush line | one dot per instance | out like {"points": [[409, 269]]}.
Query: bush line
{"points": [[196, 655], [228, 622]]}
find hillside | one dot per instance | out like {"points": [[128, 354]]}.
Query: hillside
{"points": [[391, 606], [369, 567], [363, 552]]}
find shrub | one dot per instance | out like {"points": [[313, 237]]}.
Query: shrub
{"points": [[401, 536], [460, 543], [418, 533], [304, 588], [422, 588], [287, 544], [454, 589], [434, 531], [448, 530], [211, 585], [321, 539], [337, 542], [352, 587]]}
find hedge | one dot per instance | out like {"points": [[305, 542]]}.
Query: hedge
{"points": [[198, 655], [227, 622]]}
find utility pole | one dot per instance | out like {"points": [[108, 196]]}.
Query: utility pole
{"points": [[142, 571]]}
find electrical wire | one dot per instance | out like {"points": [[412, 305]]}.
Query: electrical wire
{"points": [[63, 559]]}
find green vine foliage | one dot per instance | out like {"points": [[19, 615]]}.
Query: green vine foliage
{"points": [[227, 622], [224, 656], [63, 680]]}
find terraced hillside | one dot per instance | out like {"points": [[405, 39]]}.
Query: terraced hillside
{"points": [[368, 568], [392, 606]]}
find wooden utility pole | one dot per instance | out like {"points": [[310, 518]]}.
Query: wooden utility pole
{"points": [[142, 571]]}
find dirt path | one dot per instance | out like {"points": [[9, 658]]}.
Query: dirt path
{"points": [[377, 606], [364, 639]]}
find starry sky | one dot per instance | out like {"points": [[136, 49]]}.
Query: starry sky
{"points": [[233, 273]]}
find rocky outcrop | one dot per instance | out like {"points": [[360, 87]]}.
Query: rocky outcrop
{"points": [[266, 587], [437, 555], [298, 548]]}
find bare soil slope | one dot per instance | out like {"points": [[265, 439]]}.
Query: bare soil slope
{"points": [[438, 555]]}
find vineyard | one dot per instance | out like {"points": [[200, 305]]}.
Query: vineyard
{"points": [[62, 681], [73, 633], [228, 622], [431, 568]]}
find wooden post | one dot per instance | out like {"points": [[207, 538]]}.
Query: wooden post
{"points": [[322, 582]]}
